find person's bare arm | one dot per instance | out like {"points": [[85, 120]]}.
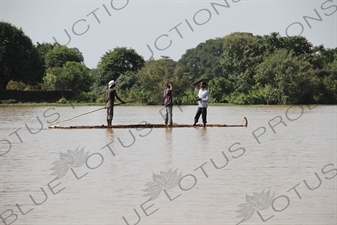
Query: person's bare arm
{"points": [[171, 87], [119, 98]]}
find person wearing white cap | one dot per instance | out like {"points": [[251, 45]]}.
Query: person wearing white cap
{"points": [[110, 101]]}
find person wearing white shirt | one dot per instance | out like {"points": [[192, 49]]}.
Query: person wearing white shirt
{"points": [[202, 98]]}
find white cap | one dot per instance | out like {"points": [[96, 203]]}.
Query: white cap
{"points": [[111, 83]]}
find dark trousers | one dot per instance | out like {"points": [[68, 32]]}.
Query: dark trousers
{"points": [[203, 112]]}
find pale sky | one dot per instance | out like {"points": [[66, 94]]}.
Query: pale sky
{"points": [[98, 26]]}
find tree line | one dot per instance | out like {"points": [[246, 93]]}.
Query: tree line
{"points": [[242, 68]]}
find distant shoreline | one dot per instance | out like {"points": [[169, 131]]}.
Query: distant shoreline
{"points": [[129, 104], [59, 104]]}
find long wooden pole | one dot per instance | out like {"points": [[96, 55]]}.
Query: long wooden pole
{"points": [[52, 124]]}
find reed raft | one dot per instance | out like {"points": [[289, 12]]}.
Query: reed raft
{"points": [[150, 125]]}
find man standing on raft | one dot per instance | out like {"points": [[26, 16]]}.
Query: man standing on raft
{"points": [[110, 101], [168, 103], [202, 98]]}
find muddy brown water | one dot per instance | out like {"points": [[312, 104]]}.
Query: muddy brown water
{"points": [[281, 169]]}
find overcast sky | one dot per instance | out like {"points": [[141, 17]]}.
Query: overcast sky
{"points": [[169, 28]]}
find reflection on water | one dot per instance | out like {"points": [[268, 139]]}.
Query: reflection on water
{"points": [[110, 132], [204, 134], [168, 145], [122, 163]]}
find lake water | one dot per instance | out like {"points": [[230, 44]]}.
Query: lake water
{"points": [[281, 169]]}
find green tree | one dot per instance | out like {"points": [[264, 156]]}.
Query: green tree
{"points": [[114, 63], [49, 82], [219, 87], [16, 85], [171, 64], [271, 43], [242, 53], [288, 78], [329, 79], [126, 80], [189, 97], [204, 59], [43, 49], [153, 78], [72, 75], [19, 58], [181, 83], [59, 55], [98, 90], [323, 57], [298, 44], [323, 61]]}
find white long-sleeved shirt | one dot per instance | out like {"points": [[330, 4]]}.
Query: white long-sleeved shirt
{"points": [[204, 95]]}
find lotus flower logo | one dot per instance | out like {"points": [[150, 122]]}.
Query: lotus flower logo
{"points": [[258, 201], [162, 181], [69, 160]]}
